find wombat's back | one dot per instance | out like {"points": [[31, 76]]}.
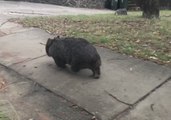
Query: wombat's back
{"points": [[84, 51]]}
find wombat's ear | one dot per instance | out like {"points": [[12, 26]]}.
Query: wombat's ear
{"points": [[57, 37]]}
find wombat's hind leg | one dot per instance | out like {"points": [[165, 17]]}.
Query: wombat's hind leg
{"points": [[96, 73]]}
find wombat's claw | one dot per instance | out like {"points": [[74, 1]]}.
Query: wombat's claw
{"points": [[95, 77]]}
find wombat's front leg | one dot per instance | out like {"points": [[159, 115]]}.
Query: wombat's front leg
{"points": [[60, 63], [75, 67]]}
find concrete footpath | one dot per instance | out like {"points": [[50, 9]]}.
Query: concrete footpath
{"points": [[129, 88]]}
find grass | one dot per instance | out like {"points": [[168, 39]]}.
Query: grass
{"points": [[131, 35], [3, 117]]}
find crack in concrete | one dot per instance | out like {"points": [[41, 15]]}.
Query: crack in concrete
{"points": [[58, 94], [27, 30], [3, 23], [127, 110], [32, 13], [153, 90], [27, 60], [117, 99]]}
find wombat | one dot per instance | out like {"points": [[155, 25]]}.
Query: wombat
{"points": [[77, 52]]}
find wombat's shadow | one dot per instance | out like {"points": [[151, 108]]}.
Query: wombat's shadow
{"points": [[83, 74]]}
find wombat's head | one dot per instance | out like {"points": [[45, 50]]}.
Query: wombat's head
{"points": [[48, 45], [97, 69]]}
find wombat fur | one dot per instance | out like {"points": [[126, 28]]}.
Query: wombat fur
{"points": [[77, 52]]}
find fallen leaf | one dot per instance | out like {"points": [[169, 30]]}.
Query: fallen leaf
{"points": [[2, 83], [152, 57], [130, 69], [43, 116]]}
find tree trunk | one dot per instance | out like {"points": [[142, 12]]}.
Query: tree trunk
{"points": [[150, 8]]}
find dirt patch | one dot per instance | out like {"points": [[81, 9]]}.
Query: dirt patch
{"points": [[6, 55], [2, 34]]}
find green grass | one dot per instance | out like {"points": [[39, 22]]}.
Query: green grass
{"points": [[3, 117], [131, 35]]}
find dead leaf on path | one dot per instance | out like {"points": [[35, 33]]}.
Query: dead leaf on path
{"points": [[137, 41], [2, 83], [43, 116], [152, 57], [96, 116], [130, 69]]}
